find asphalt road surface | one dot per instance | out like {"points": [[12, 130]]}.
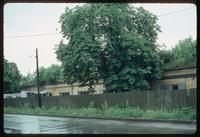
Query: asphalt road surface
{"points": [[30, 124]]}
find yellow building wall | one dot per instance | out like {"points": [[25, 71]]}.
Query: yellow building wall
{"points": [[191, 83], [188, 82], [72, 90], [99, 89], [56, 90]]}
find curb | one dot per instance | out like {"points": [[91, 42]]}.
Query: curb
{"points": [[119, 119]]}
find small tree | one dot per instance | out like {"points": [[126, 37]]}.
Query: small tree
{"points": [[11, 77], [53, 74], [50, 75], [28, 80], [184, 52]]}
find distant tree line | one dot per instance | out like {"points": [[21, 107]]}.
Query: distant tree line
{"points": [[49, 75], [14, 81], [183, 54]]}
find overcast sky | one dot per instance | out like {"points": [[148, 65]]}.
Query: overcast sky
{"points": [[177, 21]]}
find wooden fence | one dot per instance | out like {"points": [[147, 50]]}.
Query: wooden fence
{"points": [[142, 99]]}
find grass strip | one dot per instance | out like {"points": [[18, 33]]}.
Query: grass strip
{"points": [[185, 113]]}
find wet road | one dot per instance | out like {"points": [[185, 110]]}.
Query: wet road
{"points": [[29, 124]]}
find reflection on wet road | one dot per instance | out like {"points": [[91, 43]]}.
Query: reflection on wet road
{"points": [[29, 124]]}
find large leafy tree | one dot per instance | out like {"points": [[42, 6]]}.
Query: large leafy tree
{"points": [[113, 42], [11, 77]]}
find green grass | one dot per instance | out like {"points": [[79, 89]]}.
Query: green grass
{"points": [[112, 112]]}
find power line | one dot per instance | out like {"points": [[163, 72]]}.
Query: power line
{"points": [[165, 14]]}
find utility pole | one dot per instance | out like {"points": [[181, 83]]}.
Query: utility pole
{"points": [[38, 90]]}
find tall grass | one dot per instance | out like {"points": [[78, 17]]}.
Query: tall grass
{"points": [[185, 113]]}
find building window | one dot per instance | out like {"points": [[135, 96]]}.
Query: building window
{"points": [[63, 93], [82, 93], [172, 87], [50, 94], [181, 86], [165, 87], [175, 87], [193, 78]]}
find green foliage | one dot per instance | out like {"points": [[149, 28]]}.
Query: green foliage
{"points": [[183, 54], [11, 77], [157, 114], [113, 42], [166, 56], [42, 75], [115, 112], [28, 80], [187, 112], [50, 75]]}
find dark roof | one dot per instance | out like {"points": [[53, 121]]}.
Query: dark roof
{"points": [[192, 75], [181, 68]]}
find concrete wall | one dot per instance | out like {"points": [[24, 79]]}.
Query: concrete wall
{"points": [[143, 99]]}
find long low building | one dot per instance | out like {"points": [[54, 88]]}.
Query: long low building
{"points": [[177, 79], [66, 89], [173, 79]]}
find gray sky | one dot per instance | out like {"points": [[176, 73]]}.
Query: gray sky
{"points": [[177, 21]]}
